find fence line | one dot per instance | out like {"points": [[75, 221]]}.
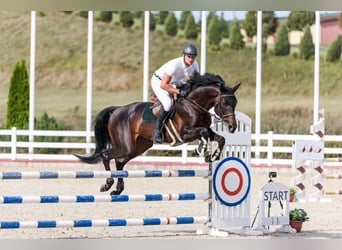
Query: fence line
{"points": [[12, 144]]}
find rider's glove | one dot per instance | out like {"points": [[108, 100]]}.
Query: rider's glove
{"points": [[183, 93]]}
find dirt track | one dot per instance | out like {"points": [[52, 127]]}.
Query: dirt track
{"points": [[325, 217]]}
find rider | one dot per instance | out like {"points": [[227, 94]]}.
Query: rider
{"points": [[173, 72]]}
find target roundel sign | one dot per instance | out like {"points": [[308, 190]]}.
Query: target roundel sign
{"points": [[231, 181]]}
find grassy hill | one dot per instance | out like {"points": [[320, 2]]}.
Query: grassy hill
{"points": [[61, 63]]}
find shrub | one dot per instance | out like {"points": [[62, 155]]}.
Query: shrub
{"points": [[48, 123], [126, 19], [106, 16], [334, 51]]}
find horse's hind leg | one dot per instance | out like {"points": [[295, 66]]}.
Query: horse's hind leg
{"points": [[120, 185], [109, 181]]}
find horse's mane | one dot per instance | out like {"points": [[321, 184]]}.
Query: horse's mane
{"points": [[198, 80]]}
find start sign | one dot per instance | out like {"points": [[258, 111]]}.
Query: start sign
{"points": [[274, 191]]}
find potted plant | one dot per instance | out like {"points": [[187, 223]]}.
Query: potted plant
{"points": [[297, 217], [292, 191]]}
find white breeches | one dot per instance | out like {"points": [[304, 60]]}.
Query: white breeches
{"points": [[163, 96]]}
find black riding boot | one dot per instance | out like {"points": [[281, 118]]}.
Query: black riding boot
{"points": [[157, 135]]}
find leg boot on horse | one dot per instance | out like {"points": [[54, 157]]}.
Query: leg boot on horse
{"points": [[157, 135]]}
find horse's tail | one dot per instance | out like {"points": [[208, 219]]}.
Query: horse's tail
{"points": [[102, 139]]}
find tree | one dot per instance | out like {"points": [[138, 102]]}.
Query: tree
{"points": [[282, 46], [224, 28], [171, 24], [236, 38], [126, 19], [183, 19], [214, 37], [18, 103], [190, 29], [270, 22], [106, 16], [334, 51], [162, 16], [211, 16], [250, 24], [84, 14], [306, 48], [298, 20]]}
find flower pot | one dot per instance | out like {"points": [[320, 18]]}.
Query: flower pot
{"points": [[292, 197], [296, 225]]}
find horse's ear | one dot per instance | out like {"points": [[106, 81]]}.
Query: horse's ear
{"points": [[235, 88]]}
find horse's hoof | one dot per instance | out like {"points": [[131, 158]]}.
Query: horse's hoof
{"points": [[208, 159], [195, 153], [103, 188], [115, 192]]}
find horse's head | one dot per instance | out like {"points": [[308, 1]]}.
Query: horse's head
{"points": [[211, 91], [225, 106]]}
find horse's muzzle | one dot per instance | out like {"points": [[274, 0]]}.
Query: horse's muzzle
{"points": [[231, 128]]}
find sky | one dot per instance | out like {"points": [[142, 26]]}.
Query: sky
{"points": [[240, 15], [229, 15]]}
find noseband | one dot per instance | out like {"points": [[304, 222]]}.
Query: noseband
{"points": [[219, 101]]}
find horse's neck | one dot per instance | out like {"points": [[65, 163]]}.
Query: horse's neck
{"points": [[204, 97]]}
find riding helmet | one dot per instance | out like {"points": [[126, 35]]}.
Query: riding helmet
{"points": [[190, 50]]}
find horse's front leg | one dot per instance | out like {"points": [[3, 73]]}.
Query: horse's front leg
{"points": [[217, 153], [202, 147], [195, 133]]}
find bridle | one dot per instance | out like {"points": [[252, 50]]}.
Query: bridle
{"points": [[217, 102]]}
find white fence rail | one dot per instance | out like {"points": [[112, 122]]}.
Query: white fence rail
{"points": [[273, 149]]}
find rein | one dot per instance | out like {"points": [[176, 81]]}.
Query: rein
{"points": [[218, 101]]}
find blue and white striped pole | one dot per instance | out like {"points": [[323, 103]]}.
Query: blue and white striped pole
{"points": [[103, 174], [102, 198], [103, 222]]}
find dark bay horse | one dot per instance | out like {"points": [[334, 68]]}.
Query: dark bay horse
{"points": [[122, 134]]}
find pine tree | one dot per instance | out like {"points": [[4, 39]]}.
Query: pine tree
{"points": [[162, 16], [183, 19], [236, 38], [18, 103], [306, 48], [214, 37], [224, 28], [334, 51], [282, 46], [190, 30], [171, 25], [250, 24]]}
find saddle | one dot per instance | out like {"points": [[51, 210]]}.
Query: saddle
{"points": [[151, 112]]}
